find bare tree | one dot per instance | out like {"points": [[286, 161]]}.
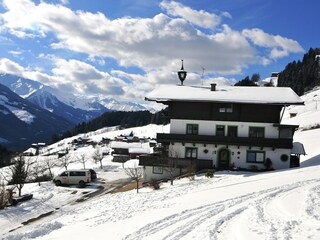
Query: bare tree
{"points": [[191, 169], [65, 161], [172, 165], [50, 163], [135, 173], [98, 157], [83, 159], [37, 171]]}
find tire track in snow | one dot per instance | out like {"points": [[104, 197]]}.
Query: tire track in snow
{"points": [[275, 224], [194, 216], [215, 217]]}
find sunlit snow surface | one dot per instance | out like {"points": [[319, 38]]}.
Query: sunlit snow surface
{"points": [[18, 112]]}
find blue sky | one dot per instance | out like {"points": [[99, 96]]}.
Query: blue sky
{"points": [[124, 49]]}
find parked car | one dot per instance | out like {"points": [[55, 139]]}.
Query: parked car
{"points": [[80, 177], [93, 174]]}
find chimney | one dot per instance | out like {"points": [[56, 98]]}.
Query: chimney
{"points": [[213, 87]]}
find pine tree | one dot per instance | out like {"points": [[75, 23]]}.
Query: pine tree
{"points": [[19, 173]]}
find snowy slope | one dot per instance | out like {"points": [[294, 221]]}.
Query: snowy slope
{"points": [[308, 115]]}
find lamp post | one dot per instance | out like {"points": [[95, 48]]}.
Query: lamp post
{"points": [[182, 74]]}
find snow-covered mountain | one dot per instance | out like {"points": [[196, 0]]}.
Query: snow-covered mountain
{"points": [[76, 108], [115, 105], [23, 122], [21, 86], [45, 99]]}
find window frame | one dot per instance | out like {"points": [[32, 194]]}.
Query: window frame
{"points": [[226, 108], [224, 130], [194, 131], [192, 149], [255, 132], [255, 160], [157, 170], [228, 131]]}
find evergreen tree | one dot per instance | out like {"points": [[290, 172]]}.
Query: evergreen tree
{"points": [[19, 173], [303, 75], [249, 82]]}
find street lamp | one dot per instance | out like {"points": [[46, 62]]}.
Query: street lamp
{"points": [[182, 74]]}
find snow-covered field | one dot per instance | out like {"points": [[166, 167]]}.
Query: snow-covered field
{"points": [[283, 204]]}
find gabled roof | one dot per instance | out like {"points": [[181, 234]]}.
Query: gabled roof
{"points": [[226, 94]]}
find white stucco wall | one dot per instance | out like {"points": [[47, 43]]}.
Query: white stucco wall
{"points": [[179, 126], [238, 156]]}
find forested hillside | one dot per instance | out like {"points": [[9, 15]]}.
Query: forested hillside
{"points": [[120, 118], [303, 75]]}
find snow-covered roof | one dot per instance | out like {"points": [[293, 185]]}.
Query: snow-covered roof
{"points": [[126, 145], [257, 95], [139, 150], [31, 150]]}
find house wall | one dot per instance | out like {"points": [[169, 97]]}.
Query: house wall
{"points": [[179, 126], [238, 156], [150, 175], [210, 111]]}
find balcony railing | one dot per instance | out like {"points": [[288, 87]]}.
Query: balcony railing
{"points": [[225, 140], [163, 161]]}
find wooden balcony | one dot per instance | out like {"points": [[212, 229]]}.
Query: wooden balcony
{"points": [[163, 161], [225, 140]]}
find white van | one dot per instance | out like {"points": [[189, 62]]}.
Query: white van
{"points": [[67, 177]]}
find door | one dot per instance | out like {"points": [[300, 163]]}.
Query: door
{"points": [[224, 159], [64, 178]]}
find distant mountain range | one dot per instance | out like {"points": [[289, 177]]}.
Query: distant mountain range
{"points": [[32, 112], [23, 122], [74, 108]]}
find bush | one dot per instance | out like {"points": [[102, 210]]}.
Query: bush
{"points": [[210, 173], [154, 184], [191, 176], [5, 196]]}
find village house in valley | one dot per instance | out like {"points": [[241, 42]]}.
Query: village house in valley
{"points": [[224, 127]]}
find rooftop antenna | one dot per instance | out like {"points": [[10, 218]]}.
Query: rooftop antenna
{"points": [[202, 74]]}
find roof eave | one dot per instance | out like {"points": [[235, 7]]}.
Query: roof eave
{"points": [[166, 100]]}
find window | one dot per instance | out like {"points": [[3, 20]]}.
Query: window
{"points": [[191, 152], [192, 129], [220, 130], [256, 132], [64, 174], [232, 131], [157, 170], [76, 174], [225, 108], [255, 157]]}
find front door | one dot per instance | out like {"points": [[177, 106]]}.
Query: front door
{"points": [[224, 159]]}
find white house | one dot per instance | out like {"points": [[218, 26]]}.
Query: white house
{"points": [[223, 127]]}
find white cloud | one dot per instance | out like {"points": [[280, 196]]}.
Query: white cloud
{"points": [[279, 46], [64, 2], [85, 78], [148, 43], [155, 45], [200, 18], [10, 67]]}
